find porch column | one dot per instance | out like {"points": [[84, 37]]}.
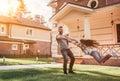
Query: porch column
{"points": [[87, 34]]}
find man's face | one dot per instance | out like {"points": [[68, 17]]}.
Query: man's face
{"points": [[60, 30]]}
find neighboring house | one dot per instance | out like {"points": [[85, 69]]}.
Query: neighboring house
{"points": [[91, 19], [20, 37]]}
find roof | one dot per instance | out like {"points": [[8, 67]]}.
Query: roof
{"points": [[22, 21], [70, 6], [67, 8], [52, 3], [6, 38]]}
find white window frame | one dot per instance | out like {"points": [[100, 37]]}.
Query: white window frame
{"points": [[26, 46], [14, 46], [2, 26]]}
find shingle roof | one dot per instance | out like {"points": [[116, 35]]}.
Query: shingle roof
{"points": [[6, 38], [22, 21]]}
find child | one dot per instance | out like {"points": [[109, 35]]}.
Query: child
{"points": [[87, 48]]}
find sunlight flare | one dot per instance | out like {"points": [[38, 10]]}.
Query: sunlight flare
{"points": [[8, 7]]}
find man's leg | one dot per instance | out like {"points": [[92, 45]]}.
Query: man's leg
{"points": [[72, 60], [65, 57]]}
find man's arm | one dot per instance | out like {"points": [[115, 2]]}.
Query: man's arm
{"points": [[70, 39]]}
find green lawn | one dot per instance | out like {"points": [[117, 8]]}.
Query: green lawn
{"points": [[83, 73], [21, 61]]}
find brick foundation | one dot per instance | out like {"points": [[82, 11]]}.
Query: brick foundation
{"points": [[43, 47], [91, 61]]}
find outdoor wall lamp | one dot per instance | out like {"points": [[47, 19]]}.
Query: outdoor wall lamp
{"points": [[112, 21], [78, 27]]}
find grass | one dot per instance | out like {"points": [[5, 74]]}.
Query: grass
{"points": [[83, 73], [21, 61]]}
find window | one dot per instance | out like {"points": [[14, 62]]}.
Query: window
{"points": [[118, 32], [2, 29], [93, 4], [14, 46], [29, 32], [25, 46]]}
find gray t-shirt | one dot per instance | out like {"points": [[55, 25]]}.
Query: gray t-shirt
{"points": [[62, 43]]}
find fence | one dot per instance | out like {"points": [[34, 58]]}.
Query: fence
{"points": [[103, 49]]}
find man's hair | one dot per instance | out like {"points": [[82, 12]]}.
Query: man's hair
{"points": [[60, 27]]}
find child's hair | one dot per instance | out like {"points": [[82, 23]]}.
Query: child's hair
{"points": [[89, 42]]}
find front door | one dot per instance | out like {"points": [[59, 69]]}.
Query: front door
{"points": [[118, 32]]}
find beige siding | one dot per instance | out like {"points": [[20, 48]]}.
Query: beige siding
{"points": [[37, 34], [101, 31], [101, 27]]}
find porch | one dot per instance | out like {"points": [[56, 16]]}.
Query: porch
{"points": [[103, 49]]}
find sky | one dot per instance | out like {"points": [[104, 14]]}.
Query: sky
{"points": [[39, 7], [34, 6]]}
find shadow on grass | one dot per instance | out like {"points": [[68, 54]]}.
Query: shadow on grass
{"points": [[55, 74], [98, 76]]}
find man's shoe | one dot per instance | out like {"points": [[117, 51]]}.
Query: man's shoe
{"points": [[65, 72], [71, 72]]}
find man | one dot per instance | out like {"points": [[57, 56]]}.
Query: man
{"points": [[63, 41]]}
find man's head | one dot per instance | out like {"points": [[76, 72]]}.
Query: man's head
{"points": [[60, 30]]}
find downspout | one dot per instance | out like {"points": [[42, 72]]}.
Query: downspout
{"points": [[50, 43], [9, 30]]}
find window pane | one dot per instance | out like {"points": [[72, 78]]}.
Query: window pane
{"points": [[14, 47], [25, 46], [29, 32], [2, 29]]}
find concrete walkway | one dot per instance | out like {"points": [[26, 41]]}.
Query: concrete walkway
{"points": [[29, 66]]}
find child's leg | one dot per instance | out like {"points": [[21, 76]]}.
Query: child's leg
{"points": [[105, 58], [99, 58], [110, 54], [96, 56]]}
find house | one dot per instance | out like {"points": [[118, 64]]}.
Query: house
{"points": [[91, 19], [20, 37]]}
